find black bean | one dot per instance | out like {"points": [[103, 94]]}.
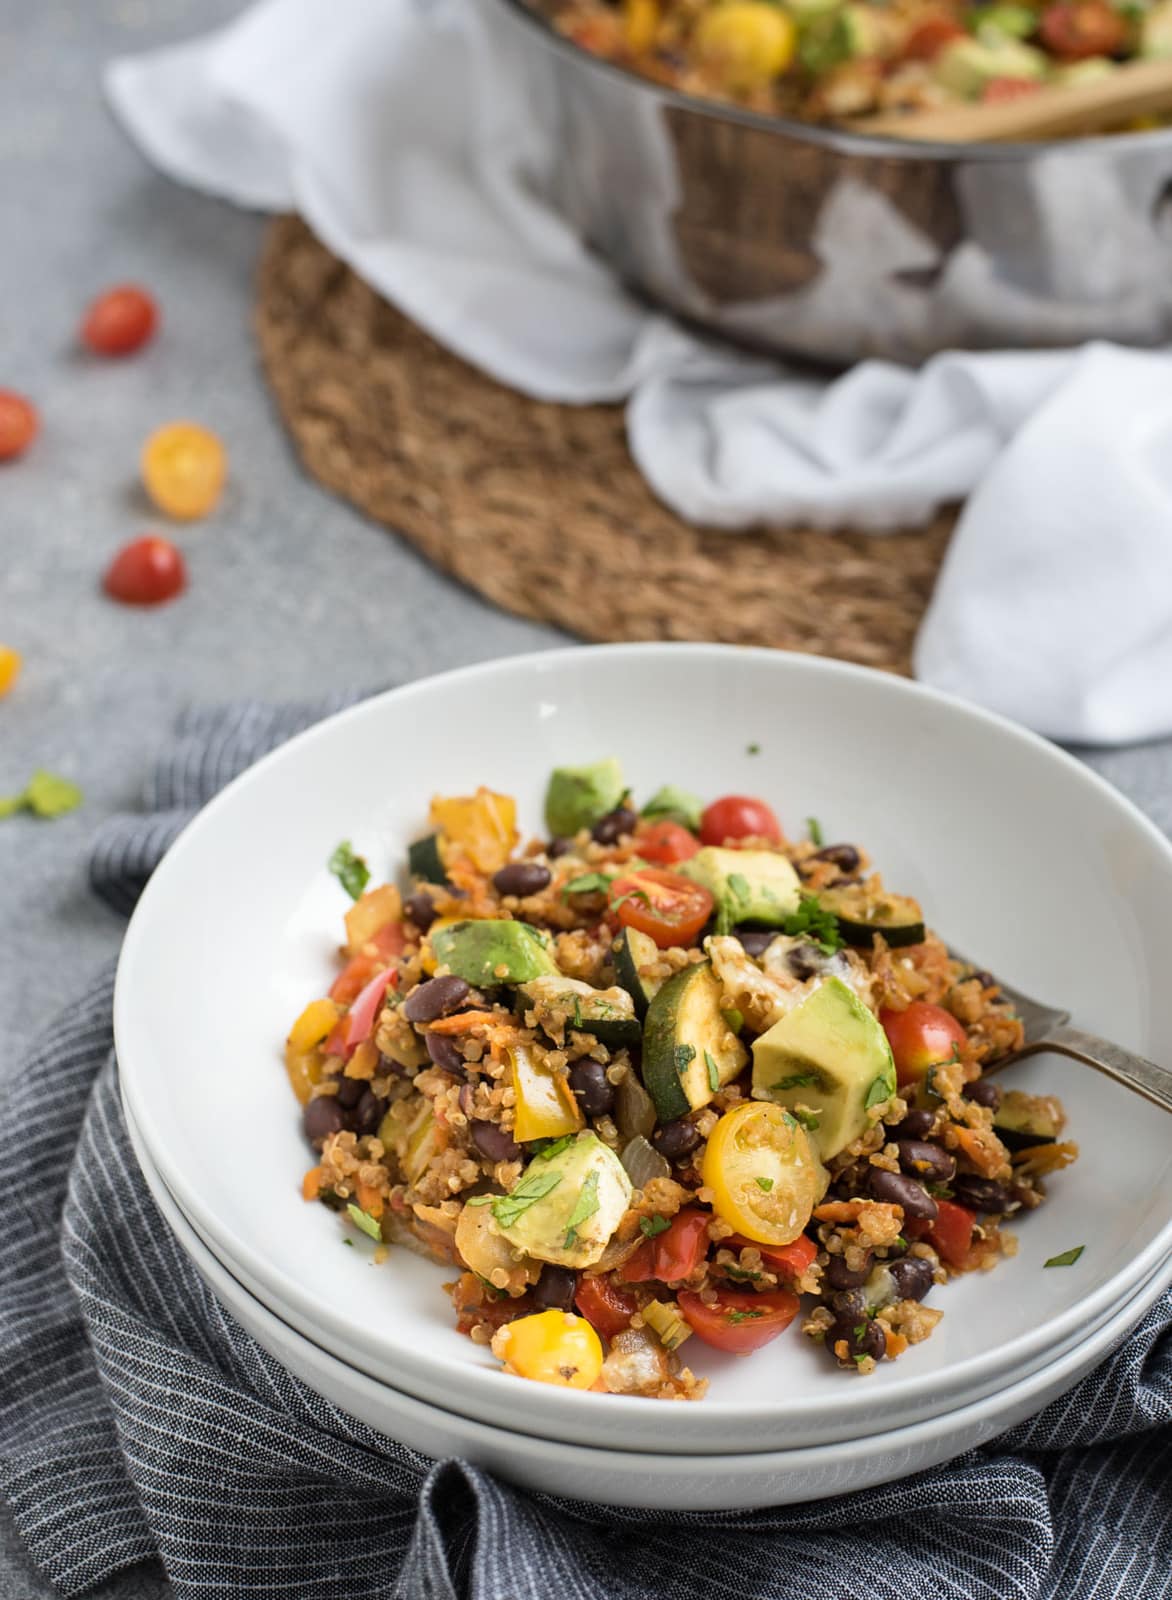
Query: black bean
{"points": [[437, 997], [926, 1161], [594, 1090], [559, 846], [849, 1306], [862, 1338], [495, 1142], [755, 941], [323, 1117], [420, 909], [839, 1276], [350, 1092], [984, 1092], [368, 1113], [843, 856], [915, 1125], [521, 878], [985, 979], [805, 961], [895, 1189], [912, 1277], [445, 1055], [555, 1289], [610, 829], [677, 1139], [981, 1194]]}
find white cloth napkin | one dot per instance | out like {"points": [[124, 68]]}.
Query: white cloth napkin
{"points": [[415, 141]]}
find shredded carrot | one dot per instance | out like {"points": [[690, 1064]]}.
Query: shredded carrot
{"points": [[461, 1022], [369, 1200], [984, 1150], [896, 1343], [838, 1211], [311, 1184]]}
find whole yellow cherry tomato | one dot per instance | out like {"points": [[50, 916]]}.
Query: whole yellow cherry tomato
{"points": [[746, 43], [551, 1347], [183, 469], [763, 1173]]}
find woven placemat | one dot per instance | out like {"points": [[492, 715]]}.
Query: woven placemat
{"points": [[539, 506]]}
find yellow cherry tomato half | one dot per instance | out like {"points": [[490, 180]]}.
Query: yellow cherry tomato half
{"points": [[764, 1175], [10, 665], [183, 470], [551, 1347], [746, 42]]}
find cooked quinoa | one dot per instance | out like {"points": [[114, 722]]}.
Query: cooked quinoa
{"points": [[663, 1073]]}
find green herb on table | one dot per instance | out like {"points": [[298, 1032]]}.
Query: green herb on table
{"points": [[1067, 1258], [584, 1207], [752, 749], [45, 795], [350, 870]]}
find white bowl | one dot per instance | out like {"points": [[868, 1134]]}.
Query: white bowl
{"points": [[687, 1482], [1021, 855]]}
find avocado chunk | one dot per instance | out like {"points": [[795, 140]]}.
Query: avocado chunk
{"points": [[491, 952], [1007, 21], [565, 1003], [689, 1050], [1155, 34], [967, 66], [747, 885], [828, 1057], [567, 1203], [578, 796], [673, 804]]}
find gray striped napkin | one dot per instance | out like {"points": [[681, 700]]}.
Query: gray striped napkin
{"points": [[138, 1420]]}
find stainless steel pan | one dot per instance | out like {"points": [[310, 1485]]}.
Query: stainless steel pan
{"points": [[814, 242]]}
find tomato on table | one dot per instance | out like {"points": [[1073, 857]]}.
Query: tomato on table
{"points": [[951, 1234], [789, 1260], [665, 842], [120, 321], [605, 1306], [674, 1254], [738, 1319], [929, 37], [920, 1037], [183, 470], [146, 572], [669, 909], [738, 816], [19, 424], [1075, 30]]}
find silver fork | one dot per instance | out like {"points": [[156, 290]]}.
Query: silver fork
{"points": [[1049, 1029]]}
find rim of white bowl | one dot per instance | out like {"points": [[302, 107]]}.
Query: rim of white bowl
{"points": [[472, 1376]]}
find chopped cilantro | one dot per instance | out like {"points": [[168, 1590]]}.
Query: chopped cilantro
{"points": [[860, 1330], [1067, 1258], [752, 749], [350, 870], [764, 1184], [734, 1018], [713, 1074], [652, 1226], [742, 1272], [808, 1119], [742, 1316], [675, 805], [584, 1206], [880, 1090], [364, 1220], [685, 1054], [491, 1287], [577, 1013], [940, 1191], [45, 795], [587, 883], [815, 923], [631, 894], [739, 886], [552, 1147], [814, 829], [534, 1186], [796, 1080], [348, 1240]]}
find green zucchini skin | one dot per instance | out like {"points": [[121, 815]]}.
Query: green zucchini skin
{"points": [[1019, 1125], [424, 860], [631, 950], [896, 934], [686, 1044]]}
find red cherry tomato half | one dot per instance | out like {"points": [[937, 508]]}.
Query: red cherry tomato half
{"points": [[1074, 30], [1003, 91], [928, 38], [607, 1308], [668, 908], [738, 1319], [787, 1260], [120, 321], [665, 842], [921, 1037], [388, 943], [951, 1235], [19, 424], [146, 572], [674, 1254], [737, 816]]}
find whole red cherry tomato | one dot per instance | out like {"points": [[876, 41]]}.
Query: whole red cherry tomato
{"points": [[670, 909], [737, 816], [665, 842], [146, 572], [738, 1319], [19, 424], [120, 321], [928, 38], [921, 1037], [1074, 30]]}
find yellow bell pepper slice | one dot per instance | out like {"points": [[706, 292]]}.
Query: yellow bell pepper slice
{"points": [[545, 1106], [640, 24], [314, 1024], [371, 913], [551, 1347], [483, 825]]}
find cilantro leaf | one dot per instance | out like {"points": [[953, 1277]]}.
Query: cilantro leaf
{"points": [[534, 1186], [584, 1206], [814, 829], [552, 1147], [753, 749], [879, 1090], [739, 887], [796, 1080], [631, 894], [808, 1119], [1067, 1258], [653, 1226], [685, 1054], [815, 923], [764, 1184], [350, 870], [364, 1220], [713, 1074], [587, 883], [742, 1316]]}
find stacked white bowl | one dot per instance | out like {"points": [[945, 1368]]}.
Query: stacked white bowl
{"points": [[1021, 857]]}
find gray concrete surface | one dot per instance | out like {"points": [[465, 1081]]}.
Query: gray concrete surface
{"points": [[290, 591]]}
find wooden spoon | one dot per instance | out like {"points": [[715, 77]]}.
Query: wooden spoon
{"points": [[1143, 89]]}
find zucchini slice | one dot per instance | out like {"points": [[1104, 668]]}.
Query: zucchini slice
{"points": [[424, 860], [860, 916], [1024, 1120], [688, 1051], [633, 950], [564, 1003]]}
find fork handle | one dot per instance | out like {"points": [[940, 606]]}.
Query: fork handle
{"points": [[1134, 1072]]}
